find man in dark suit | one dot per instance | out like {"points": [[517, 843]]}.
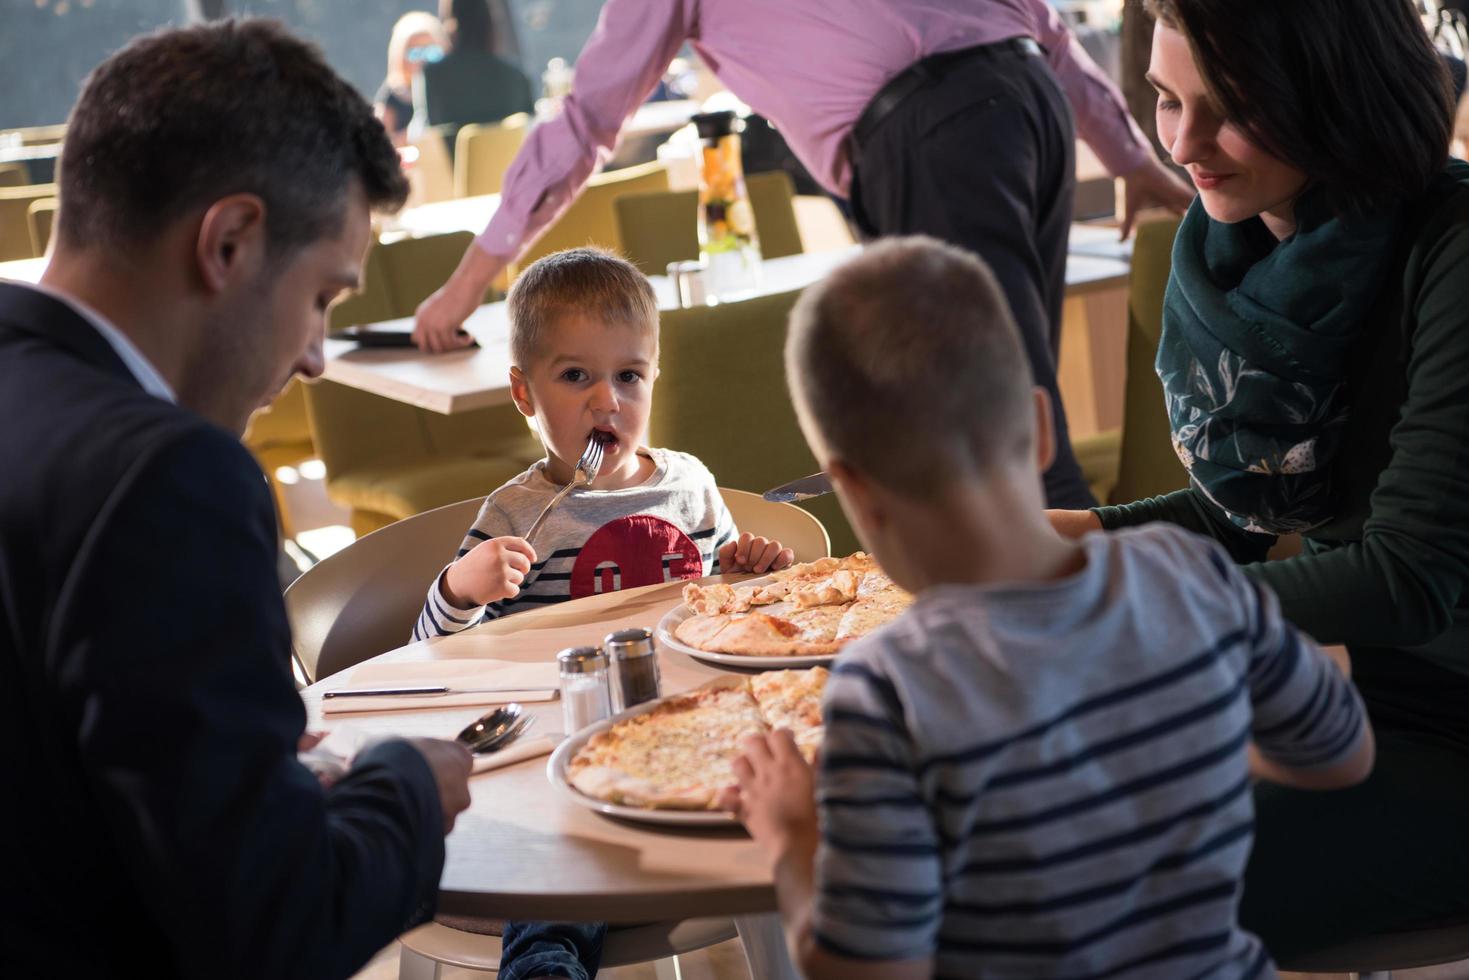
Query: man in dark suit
{"points": [[216, 192]]}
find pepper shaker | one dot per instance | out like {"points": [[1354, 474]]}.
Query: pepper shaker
{"points": [[586, 695], [634, 666]]}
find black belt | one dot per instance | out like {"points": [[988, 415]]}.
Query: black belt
{"points": [[927, 71]]}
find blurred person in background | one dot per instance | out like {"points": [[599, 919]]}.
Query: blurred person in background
{"points": [[418, 39], [470, 84]]}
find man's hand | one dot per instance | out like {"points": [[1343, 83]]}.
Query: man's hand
{"points": [[493, 570], [1153, 185], [450, 763], [439, 320], [1074, 523], [748, 553], [775, 798]]}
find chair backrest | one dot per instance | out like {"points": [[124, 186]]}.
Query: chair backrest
{"points": [[432, 175], [1148, 465], [370, 304], [281, 423], [658, 228], [484, 151], [747, 434], [15, 229], [772, 198], [40, 216], [590, 219], [662, 227], [793, 527], [415, 267], [363, 600], [14, 175]]}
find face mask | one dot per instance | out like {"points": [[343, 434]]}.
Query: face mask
{"points": [[426, 54]]}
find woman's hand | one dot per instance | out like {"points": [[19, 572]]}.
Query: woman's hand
{"points": [[1153, 185], [1074, 523]]}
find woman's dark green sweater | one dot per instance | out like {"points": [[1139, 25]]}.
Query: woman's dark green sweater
{"points": [[1390, 570]]}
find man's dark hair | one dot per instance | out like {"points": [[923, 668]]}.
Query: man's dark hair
{"points": [[1350, 92], [182, 118]]}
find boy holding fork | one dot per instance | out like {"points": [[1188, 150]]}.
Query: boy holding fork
{"points": [[584, 344]]}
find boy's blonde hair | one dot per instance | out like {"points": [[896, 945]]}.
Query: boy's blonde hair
{"points": [[908, 366], [589, 281]]}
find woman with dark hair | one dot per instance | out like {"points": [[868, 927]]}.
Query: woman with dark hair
{"points": [[471, 84], [1315, 364]]}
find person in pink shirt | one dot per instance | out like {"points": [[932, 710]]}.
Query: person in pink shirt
{"points": [[951, 120]]}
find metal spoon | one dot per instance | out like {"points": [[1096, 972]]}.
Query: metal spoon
{"points": [[495, 730]]}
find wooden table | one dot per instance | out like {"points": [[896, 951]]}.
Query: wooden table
{"points": [[524, 850], [464, 380]]}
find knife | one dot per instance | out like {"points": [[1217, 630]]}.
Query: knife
{"points": [[430, 691], [803, 489]]}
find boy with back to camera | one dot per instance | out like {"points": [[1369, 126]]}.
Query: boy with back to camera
{"points": [[1041, 768], [584, 344]]}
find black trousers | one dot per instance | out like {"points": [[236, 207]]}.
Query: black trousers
{"points": [[1386, 854], [984, 157]]}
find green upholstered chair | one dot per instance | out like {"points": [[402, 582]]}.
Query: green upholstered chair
{"points": [[483, 152], [1140, 457], [14, 175], [280, 435], [662, 227], [15, 233], [732, 410], [658, 228], [772, 198], [386, 460], [590, 219]]}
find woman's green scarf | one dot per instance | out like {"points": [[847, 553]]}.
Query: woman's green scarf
{"points": [[1254, 351]]}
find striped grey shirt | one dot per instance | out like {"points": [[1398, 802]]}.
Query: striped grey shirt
{"points": [[1051, 780], [669, 527]]}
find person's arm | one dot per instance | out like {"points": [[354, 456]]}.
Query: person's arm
{"points": [[876, 849], [491, 560], [1400, 584], [171, 658], [1309, 726], [1103, 121], [623, 60], [1187, 508]]}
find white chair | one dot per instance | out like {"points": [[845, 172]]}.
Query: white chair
{"points": [[799, 530]]}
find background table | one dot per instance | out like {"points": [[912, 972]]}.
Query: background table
{"points": [[464, 380], [523, 849]]}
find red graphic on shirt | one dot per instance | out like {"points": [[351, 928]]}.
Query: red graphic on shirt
{"points": [[633, 551]]}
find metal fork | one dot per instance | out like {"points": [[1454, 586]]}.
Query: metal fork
{"points": [[586, 472]]}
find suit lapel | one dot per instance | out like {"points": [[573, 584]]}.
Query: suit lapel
{"points": [[30, 311]]}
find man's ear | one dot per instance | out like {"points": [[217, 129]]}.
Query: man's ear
{"points": [[520, 393], [231, 245], [1045, 429]]}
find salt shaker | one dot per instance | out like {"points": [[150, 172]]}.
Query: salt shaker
{"points": [[586, 696], [634, 666]]}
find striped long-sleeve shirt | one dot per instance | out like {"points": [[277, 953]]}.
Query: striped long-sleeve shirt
{"points": [[1051, 780], [669, 527]]}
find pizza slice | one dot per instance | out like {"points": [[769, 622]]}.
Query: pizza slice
{"points": [[792, 699], [871, 612], [677, 756]]}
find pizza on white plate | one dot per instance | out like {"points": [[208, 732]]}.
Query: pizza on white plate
{"points": [[680, 754], [810, 609]]}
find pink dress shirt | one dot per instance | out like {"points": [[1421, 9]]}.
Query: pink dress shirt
{"points": [[809, 66]]}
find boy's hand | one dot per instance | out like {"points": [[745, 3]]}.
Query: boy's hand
{"points": [[493, 570], [748, 553], [775, 798]]}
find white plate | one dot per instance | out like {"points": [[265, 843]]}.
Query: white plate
{"points": [[681, 612], [556, 772]]}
